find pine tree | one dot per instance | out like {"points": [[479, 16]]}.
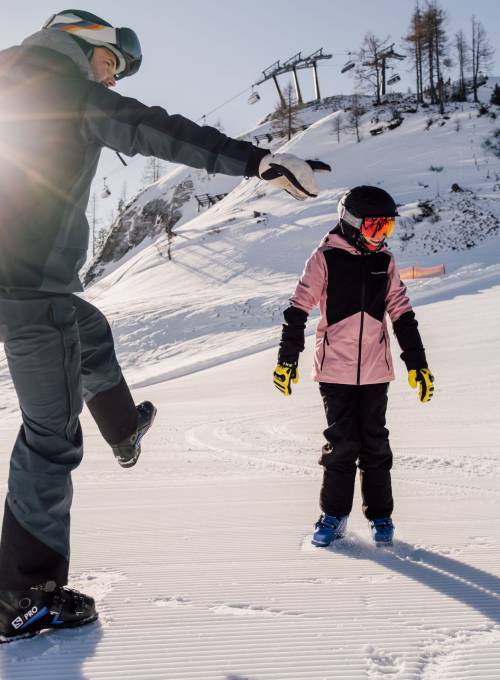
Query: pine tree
{"points": [[435, 47], [415, 42]]}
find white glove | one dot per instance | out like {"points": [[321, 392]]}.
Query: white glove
{"points": [[294, 175]]}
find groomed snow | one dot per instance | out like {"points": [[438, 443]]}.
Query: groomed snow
{"points": [[200, 556]]}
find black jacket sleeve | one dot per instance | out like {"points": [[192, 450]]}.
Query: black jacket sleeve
{"points": [[292, 335], [124, 124], [408, 336]]}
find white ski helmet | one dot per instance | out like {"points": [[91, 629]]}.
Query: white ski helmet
{"points": [[123, 42]]}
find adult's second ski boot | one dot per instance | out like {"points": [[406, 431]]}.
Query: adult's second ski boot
{"points": [[128, 451], [25, 613], [382, 530], [328, 529]]}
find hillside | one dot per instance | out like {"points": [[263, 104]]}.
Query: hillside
{"points": [[234, 266]]}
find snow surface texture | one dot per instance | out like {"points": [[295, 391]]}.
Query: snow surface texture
{"points": [[200, 556]]}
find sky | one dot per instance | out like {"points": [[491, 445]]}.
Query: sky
{"points": [[198, 54]]}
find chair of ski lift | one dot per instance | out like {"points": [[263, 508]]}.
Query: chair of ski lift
{"points": [[348, 66], [106, 192], [394, 79], [253, 98]]}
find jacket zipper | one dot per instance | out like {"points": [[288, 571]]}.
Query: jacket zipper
{"points": [[384, 339], [363, 295], [325, 342]]}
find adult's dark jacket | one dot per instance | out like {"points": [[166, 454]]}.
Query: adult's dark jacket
{"points": [[54, 121]]}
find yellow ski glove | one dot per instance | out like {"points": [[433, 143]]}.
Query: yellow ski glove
{"points": [[283, 375], [425, 381]]}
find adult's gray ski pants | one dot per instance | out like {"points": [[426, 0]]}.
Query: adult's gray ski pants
{"points": [[60, 353]]}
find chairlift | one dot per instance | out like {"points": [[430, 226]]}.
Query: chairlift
{"points": [[106, 192], [348, 66], [394, 79], [253, 98]]}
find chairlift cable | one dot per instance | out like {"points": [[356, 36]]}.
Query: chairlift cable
{"points": [[224, 104]]}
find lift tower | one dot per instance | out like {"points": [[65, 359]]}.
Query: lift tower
{"points": [[292, 65]]}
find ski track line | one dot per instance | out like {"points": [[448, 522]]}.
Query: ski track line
{"points": [[196, 439]]}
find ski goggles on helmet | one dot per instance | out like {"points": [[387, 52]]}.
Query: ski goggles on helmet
{"points": [[122, 42], [377, 227]]}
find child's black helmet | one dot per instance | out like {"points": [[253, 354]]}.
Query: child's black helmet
{"points": [[361, 202]]}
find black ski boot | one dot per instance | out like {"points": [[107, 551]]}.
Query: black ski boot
{"points": [[128, 451], [24, 613]]}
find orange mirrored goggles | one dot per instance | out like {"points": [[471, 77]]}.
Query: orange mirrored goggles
{"points": [[377, 227]]}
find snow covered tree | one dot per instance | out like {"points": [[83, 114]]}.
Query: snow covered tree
{"points": [[153, 170], [482, 54], [337, 126], [100, 239], [122, 201]]}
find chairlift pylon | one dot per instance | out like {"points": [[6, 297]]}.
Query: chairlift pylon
{"points": [[348, 66]]}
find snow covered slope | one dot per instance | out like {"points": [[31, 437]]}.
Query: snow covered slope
{"points": [[200, 560], [234, 266], [200, 556]]}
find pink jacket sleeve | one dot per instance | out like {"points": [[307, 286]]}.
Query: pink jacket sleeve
{"points": [[311, 284], [397, 301]]}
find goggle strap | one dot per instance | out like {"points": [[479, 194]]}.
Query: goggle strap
{"points": [[351, 219]]}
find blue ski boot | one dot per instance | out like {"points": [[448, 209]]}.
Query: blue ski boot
{"points": [[382, 530], [328, 529], [25, 613]]}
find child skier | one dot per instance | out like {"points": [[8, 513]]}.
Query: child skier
{"points": [[353, 278]]}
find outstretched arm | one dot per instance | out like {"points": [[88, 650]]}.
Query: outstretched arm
{"points": [[126, 125]]}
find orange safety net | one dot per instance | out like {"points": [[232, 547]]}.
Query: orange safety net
{"points": [[421, 272]]}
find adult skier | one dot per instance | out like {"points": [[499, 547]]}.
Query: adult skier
{"points": [[57, 113], [354, 279]]}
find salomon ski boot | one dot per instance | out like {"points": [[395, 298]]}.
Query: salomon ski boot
{"points": [[128, 451], [382, 530], [328, 529], [24, 613]]}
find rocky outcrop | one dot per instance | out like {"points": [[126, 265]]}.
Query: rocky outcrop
{"points": [[157, 216]]}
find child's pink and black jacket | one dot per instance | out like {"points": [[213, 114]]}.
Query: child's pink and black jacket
{"points": [[355, 292]]}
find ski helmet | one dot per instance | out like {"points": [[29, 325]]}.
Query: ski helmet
{"points": [[357, 209], [123, 42]]}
